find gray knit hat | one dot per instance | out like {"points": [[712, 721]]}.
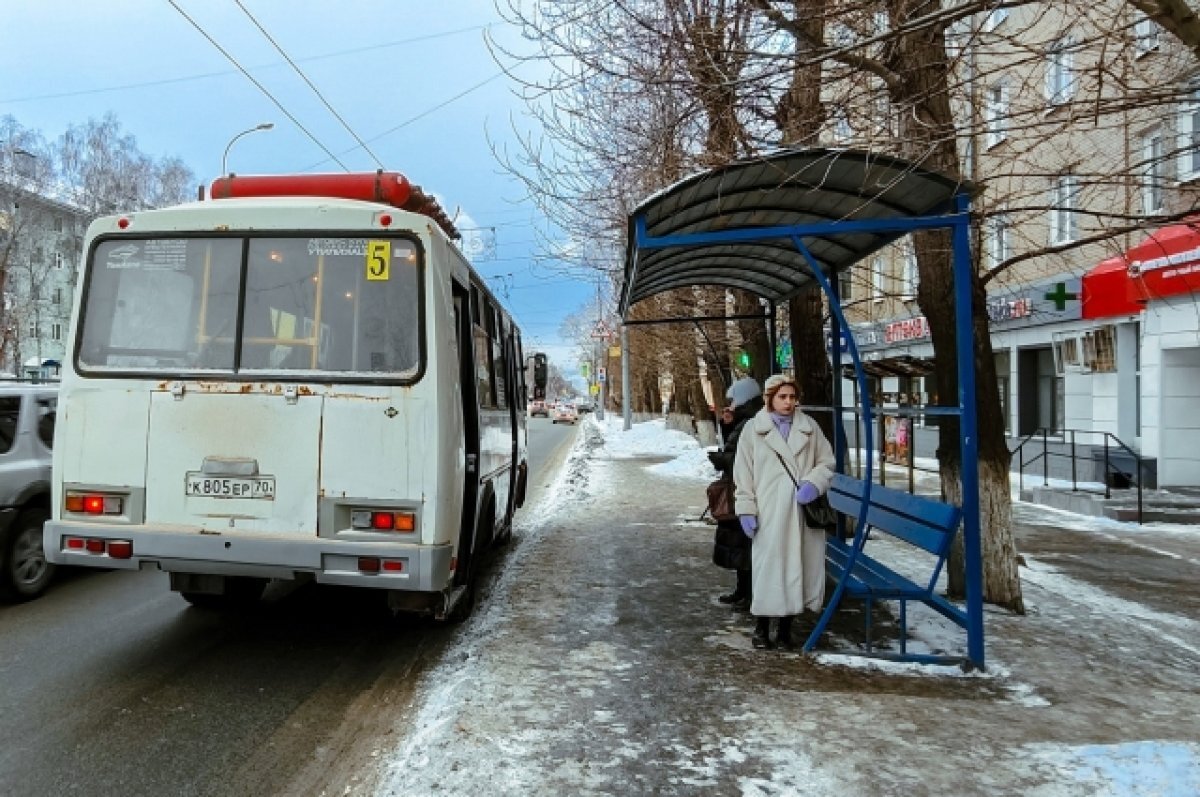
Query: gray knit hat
{"points": [[742, 391]]}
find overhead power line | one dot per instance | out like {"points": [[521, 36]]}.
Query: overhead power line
{"points": [[224, 73], [260, 86], [304, 77], [423, 114]]}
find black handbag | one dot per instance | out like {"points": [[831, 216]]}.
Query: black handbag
{"points": [[720, 500], [818, 513]]}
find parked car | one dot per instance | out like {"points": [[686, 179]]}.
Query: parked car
{"points": [[583, 406], [565, 412], [27, 413], [538, 407]]}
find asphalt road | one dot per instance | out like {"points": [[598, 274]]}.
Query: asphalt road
{"points": [[111, 684]]}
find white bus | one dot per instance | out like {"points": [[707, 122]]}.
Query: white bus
{"points": [[299, 378]]}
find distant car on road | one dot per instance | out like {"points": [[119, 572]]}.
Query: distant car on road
{"points": [[583, 406], [27, 414], [564, 412], [538, 407]]}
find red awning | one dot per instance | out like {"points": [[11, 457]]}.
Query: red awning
{"points": [[1167, 263], [1106, 290]]}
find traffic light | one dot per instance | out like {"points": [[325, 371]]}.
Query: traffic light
{"points": [[743, 360], [539, 376]]}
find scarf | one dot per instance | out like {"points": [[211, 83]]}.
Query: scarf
{"points": [[783, 424]]}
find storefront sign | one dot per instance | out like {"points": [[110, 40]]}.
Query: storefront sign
{"points": [[1166, 264], [865, 336], [908, 329], [1190, 256], [1010, 309]]}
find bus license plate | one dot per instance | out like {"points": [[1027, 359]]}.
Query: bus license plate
{"points": [[201, 486]]}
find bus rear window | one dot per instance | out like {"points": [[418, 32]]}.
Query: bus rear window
{"points": [[317, 304]]}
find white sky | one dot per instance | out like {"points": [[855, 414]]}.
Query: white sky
{"points": [[385, 65]]}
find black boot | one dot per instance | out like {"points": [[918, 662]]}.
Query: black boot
{"points": [[762, 634], [741, 593], [784, 637]]}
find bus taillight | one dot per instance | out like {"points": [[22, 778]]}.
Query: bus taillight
{"points": [[373, 564], [93, 503], [383, 520], [120, 549]]}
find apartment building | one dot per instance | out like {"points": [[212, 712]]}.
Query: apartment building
{"points": [[1082, 126], [41, 238]]}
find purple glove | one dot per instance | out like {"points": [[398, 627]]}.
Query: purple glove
{"points": [[749, 525], [806, 493]]}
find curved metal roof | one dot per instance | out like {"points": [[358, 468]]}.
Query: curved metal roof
{"points": [[806, 190]]}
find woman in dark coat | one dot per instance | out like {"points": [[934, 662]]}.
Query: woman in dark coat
{"points": [[731, 548]]}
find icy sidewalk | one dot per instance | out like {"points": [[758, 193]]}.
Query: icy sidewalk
{"points": [[601, 663]]}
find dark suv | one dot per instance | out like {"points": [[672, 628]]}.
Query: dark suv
{"points": [[26, 435]]}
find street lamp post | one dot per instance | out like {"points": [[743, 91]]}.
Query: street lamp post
{"points": [[255, 129]]}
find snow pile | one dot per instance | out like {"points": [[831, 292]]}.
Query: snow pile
{"points": [[648, 439], [654, 439]]}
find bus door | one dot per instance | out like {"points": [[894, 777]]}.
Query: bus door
{"points": [[470, 411]]}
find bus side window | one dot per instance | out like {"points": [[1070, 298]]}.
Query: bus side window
{"points": [[500, 364]]}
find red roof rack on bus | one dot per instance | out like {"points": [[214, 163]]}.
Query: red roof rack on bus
{"points": [[391, 188]]}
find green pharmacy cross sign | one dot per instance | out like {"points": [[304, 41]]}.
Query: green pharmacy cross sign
{"points": [[1060, 296]]}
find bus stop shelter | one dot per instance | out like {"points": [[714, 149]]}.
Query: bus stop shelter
{"points": [[784, 221]]}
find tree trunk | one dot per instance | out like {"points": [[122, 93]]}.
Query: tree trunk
{"points": [[809, 357], [754, 335], [928, 135]]}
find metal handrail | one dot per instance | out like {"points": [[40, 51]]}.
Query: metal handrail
{"points": [[1069, 436]]}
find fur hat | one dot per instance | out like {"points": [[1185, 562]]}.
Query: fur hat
{"points": [[742, 391]]}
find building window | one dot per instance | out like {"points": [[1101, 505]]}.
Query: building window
{"points": [[1063, 197], [56, 331], [997, 238], [33, 330], [995, 115], [1060, 72], [995, 19], [59, 260], [1091, 352], [877, 279], [1145, 34], [1189, 137], [58, 224], [845, 285], [1154, 171], [842, 131], [1100, 350], [58, 295], [909, 274]]}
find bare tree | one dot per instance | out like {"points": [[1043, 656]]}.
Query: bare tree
{"points": [[107, 173], [25, 174], [642, 92], [91, 169]]}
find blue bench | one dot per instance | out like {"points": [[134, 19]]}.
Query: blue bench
{"points": [[921, 522]]}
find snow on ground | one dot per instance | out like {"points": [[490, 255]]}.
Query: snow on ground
{"points": [[1163, 768]]}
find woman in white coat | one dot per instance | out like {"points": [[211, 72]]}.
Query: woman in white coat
{"points": [[783, 461]]}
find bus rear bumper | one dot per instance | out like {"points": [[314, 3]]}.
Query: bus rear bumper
{"points": [[377, 565]]}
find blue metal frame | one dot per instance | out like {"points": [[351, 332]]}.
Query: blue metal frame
{"points": [[959, 222]]}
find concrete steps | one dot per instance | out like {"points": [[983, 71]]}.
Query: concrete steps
{"points": [[1181, 505]]}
